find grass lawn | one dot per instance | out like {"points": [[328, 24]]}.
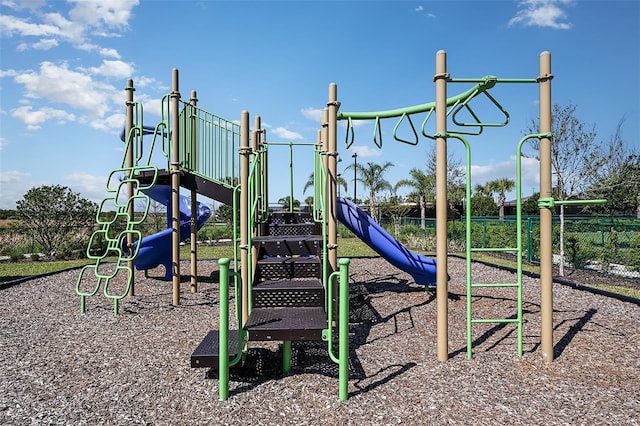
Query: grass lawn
{"points": [[347, 247]]}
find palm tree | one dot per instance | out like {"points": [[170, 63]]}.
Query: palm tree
{"points": [[423, 189], [371, 176], [310, 182], [501, 186]]}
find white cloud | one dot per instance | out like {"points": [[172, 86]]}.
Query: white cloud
{"points": [[109, 13], [11, 25], [13, 184], [112, 123], [8, 73], [419, 9], [33, 119], [312, 113], [281, 132], [109, 53], [542, 13], [43, 44], [365, 151], [58, 83], [89, 186], [86, 19], [12, 176], [118, 69]]}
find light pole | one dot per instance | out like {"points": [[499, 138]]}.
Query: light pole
{"points": [[355, 173]]}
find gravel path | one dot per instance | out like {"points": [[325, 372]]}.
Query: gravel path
{"points": [[60, 367]]}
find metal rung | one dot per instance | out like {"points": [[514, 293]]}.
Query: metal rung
{"points": [[478, 285], [499, 320], [495, 249]]}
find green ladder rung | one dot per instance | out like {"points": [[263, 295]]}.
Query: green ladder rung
{"points": [[495, 321], [495, 249], [479, 285]]}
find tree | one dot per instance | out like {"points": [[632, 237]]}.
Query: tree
{"points": [[310, 182], [572, 147], [371, 176], [224, 213], [456, 187], [483, 205], [287, 204], [614, 174], [423, 190], [501, 186], [530, 205], [55, 216]]}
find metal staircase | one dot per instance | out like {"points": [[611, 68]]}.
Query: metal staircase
{"points": [[287, 300]]}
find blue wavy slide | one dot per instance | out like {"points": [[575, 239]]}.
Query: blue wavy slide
{"points": [[421, 268], [155, 249]]}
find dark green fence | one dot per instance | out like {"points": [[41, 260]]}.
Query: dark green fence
{"points": [[604, 244]]}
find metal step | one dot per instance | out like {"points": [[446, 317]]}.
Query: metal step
{"points": [[271, 268], [310, 228], [288, 294], [286, 324], [291, 217], [208, 351], [277, 245]]}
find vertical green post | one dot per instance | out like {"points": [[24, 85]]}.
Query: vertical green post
{"points": [[223, 357], [529, 240], [343, 353], [286, 356], [194, 194], [291, 176]]}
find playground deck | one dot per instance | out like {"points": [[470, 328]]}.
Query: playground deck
{"points": [[60, 367]]}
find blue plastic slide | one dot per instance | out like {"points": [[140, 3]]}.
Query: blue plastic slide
{"points": [[155, 249], [421, 268]]}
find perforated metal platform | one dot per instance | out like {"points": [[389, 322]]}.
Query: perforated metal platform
{"points": [[286, 324]]}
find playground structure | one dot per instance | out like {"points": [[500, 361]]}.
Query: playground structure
{"points": [[288, 282]]}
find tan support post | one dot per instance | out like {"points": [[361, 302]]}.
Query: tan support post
{"points": [[130, 189], [441, 207], [244, 212], [175, 186], [332, 154], [546, 214], [194, 195]]}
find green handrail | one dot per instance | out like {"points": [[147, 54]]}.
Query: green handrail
{"points": [[223, 342], [343, 327]]}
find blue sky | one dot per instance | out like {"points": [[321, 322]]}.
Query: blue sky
{"points": [[64, 64]]}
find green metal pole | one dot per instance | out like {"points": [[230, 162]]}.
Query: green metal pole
{"points": [[223, 358], [529, 240], [290, 177], [343, 366], [286, 356]]}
